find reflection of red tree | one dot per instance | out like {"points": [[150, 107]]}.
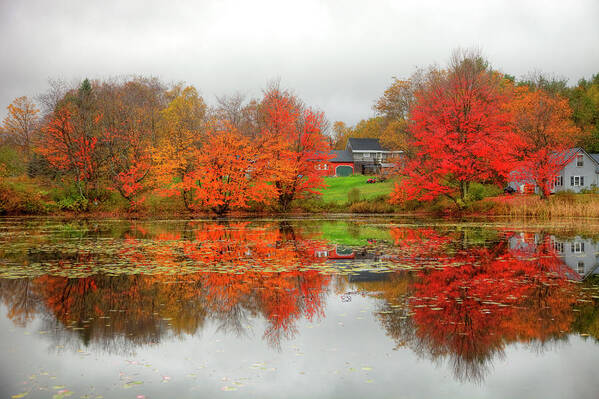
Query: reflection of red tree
{"points": [[478, 299], [418, 242]]}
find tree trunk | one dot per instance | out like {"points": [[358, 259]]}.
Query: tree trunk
{"points": [[185, 195]]}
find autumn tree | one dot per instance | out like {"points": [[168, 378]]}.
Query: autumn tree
{"points": [[69, 147], [130, 160], [394, 106], [584, 101], [241, 113], [21, 123], [181, 129], [546, 131], [461, 132], [340, 133], [294, 137], [129, 116], [230, 172], [69, 140]]}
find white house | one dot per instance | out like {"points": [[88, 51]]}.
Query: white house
{"points": [[580, 254], [582, 172]]}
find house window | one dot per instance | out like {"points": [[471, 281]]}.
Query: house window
{"points": [[580, 160], [577, 247], [576, 181], [580, 267], [559, 181], [558, 246], [366, 155]]}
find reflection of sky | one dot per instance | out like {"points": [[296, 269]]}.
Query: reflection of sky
{"points": [[317, 363]]}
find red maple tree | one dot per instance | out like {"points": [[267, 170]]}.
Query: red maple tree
{"points": [[293, 135], [129, 160], [460, 134], [70, 148]]}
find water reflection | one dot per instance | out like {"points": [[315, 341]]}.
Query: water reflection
{"points": [[479, 300], [459, 296]]}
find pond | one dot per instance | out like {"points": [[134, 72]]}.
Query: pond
{"points": [[326, 307]]}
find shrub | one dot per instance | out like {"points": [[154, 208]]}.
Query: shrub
{"points": [[592, 190], [479, 191], [20, 199], [353, 195], [11, 161], [378, 204], [75, 204], [38, 166], [567, 196], [316, 205]]}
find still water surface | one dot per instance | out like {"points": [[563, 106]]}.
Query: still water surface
{"points": [[318, 308]]}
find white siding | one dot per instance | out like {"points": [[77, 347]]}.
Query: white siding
{"points": [[588, 170]]}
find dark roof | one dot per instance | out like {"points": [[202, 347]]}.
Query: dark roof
{"points": [[572, 151], [365, 144], [569, 153], [342, 156]]}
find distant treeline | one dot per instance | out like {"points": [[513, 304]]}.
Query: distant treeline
{"points": [[122, 141]]}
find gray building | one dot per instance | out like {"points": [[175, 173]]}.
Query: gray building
{"points": [[580, 254], [580, 173], [364, 156]]}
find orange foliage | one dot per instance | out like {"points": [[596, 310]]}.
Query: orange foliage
{"points": [[543, 122], [69, 147], [231, 172], [294, 140]]}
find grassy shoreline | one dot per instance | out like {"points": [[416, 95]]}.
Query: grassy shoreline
{"points": [[349, 195]]}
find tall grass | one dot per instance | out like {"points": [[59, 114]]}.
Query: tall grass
{"points": [[559, 205]]}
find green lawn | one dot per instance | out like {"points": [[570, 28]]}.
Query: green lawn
{"points": [[339, 186], [353, 234]]}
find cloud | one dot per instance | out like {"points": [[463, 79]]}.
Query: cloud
{"points": [[337, 55]]}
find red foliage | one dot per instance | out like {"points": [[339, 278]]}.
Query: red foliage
{"points": [[461, 134], [231, 172], [294, 139], [129, 162], [543, 123], [67, 147], [476, 299]]}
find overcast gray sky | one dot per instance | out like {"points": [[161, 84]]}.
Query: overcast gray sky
{"points": [[337, 55]]}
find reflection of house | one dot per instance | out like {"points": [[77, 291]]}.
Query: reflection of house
{"points": [[335, 253], [579, 254], [361, 155], [367, 261], [368, 275], [581, 172]]}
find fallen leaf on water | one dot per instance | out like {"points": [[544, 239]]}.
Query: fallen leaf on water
{"points": [[132, 383]]}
